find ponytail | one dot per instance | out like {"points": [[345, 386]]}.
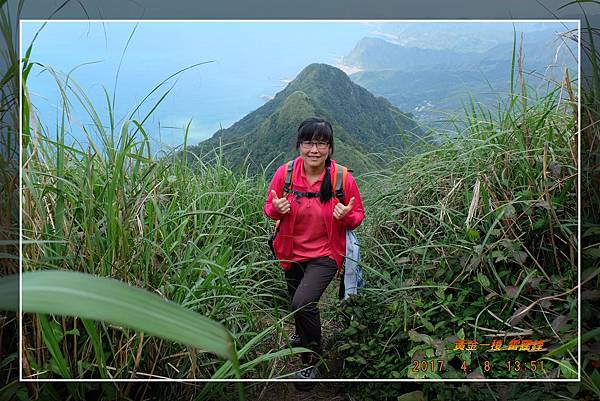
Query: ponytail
{"points": [[326, 191]]}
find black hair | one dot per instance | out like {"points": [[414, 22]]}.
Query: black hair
{"points": [[317, 129]]}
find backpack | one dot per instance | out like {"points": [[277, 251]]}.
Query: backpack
{"points": [[351, 280]]}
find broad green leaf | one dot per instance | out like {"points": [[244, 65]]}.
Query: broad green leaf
{"points": [[473, 234], [483, 280], [344, 347], [509, 212], [566, 369], [412, 396], [427, 324], [86, 296]]}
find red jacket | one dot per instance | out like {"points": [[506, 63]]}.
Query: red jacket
{"points": [[336, 229]]}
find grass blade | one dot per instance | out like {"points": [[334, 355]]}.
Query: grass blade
{"points": [[53, 347], [86, 296]]}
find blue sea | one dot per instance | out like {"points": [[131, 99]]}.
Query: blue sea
{"points": [[247, 63]]}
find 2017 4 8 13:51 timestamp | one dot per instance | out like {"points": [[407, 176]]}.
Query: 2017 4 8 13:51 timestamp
{"points": [[487, 367]]}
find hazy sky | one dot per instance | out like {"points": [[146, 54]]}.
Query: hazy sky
{"points": [[250, 62]]}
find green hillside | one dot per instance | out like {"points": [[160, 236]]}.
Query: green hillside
{"points": [[433, 83]]}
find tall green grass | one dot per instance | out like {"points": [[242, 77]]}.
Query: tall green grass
{"points": [[192, 232], [476, 235]]}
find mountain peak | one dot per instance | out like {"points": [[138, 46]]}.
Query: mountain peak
{"points": [[318, 73], [362, 122], [316, 68]]}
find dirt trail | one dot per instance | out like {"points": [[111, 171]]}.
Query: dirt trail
{"points": [[285, 391]]}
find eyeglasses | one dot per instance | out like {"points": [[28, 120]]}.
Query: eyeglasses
{"points": [[309, 145]]}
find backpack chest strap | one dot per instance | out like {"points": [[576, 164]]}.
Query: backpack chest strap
{"points": [[300, 194], [305, 194]]}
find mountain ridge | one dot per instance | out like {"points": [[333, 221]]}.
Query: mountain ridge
{"points": [[372, 53], [363, 123], [434, 84]]}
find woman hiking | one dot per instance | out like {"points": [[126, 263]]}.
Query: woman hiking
{"points": [[311, 239]]}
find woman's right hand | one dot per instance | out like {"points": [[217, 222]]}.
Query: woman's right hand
{"points": [[280, 204]]}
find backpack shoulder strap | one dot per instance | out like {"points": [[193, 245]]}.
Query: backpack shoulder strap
{"points": [[339, 175], [288, 177]]}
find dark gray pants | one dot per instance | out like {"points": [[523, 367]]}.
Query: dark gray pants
{"points": [[306, 282]]}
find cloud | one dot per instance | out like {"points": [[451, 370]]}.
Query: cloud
{"points": [[388, 36], [348, 69]]}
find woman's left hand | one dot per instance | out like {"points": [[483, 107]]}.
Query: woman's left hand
{"points": [[340, 210]]}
